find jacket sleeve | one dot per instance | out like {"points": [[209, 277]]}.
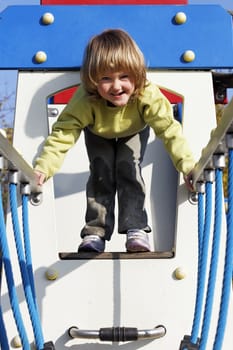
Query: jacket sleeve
{"points": [[158, 114], [65, 132]]}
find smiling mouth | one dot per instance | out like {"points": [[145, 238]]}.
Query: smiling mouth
{"points": [[119, 94]]}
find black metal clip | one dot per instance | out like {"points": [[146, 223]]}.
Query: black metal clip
{"points": [[186, 344], [49, 346]]}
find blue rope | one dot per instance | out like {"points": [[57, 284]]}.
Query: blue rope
{"points": [[24, 273], [27, 245], [10, 280], [200, 224], [214, 260], [226, 289], [202, 265], [3, 335]]}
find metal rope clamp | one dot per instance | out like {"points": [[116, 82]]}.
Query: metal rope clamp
{"points": [[49, 346], [186, 344]]}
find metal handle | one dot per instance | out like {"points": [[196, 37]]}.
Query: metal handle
{"points": [[118, 334]]}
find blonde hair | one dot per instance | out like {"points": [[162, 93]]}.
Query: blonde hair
{"points": [[112, 50]]}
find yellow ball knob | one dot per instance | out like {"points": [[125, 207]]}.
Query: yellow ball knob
{"points": [[47, 18], [51, 274], [189, 56], [40, 57], [180, 273], [180, 18], [16, 342]]}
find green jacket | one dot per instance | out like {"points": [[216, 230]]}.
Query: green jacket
{"points": [[150, 108]]}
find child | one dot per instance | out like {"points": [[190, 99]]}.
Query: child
{"points": [[115, 106]]}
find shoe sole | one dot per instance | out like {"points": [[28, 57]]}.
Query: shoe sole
{"points": [[89, 248], [137, 249]]}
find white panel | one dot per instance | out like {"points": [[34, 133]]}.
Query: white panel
{"points": [[103, 293]]}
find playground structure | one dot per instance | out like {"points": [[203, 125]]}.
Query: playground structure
{"points": [[152, 295]]}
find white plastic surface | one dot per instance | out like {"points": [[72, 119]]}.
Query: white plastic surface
{"points": [[91, 294]]}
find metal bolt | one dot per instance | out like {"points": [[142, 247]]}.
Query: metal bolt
{"points": [[36, 198]]}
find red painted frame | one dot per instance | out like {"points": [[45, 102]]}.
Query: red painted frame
{"points": [[113, 2]]}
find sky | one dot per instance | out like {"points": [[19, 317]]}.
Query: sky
{"points": [[227, 4], [8, 78]]}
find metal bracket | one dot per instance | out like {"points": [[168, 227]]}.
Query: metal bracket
{"points": [[186, 344], [49, 346]]}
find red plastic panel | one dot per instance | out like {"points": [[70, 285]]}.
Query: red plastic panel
{"points": [[64, 96], [173, 98]]}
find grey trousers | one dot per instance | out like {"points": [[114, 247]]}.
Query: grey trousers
{"points": [[115, 168]]}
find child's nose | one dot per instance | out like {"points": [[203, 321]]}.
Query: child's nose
{"points": [[116, 84]]}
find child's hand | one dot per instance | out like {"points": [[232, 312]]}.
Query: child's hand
{"points": [[40, 178], [188, 179]]}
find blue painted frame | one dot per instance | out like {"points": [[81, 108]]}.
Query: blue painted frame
{"points": [[207, 32]]}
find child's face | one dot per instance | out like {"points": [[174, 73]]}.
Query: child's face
{"points": [[116, 87]]}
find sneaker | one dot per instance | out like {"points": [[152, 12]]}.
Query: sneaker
{"points": [[92, 243], [137, 241]]}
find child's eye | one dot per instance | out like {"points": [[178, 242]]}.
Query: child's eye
{"points": [[105, 79], [125, 76]]}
